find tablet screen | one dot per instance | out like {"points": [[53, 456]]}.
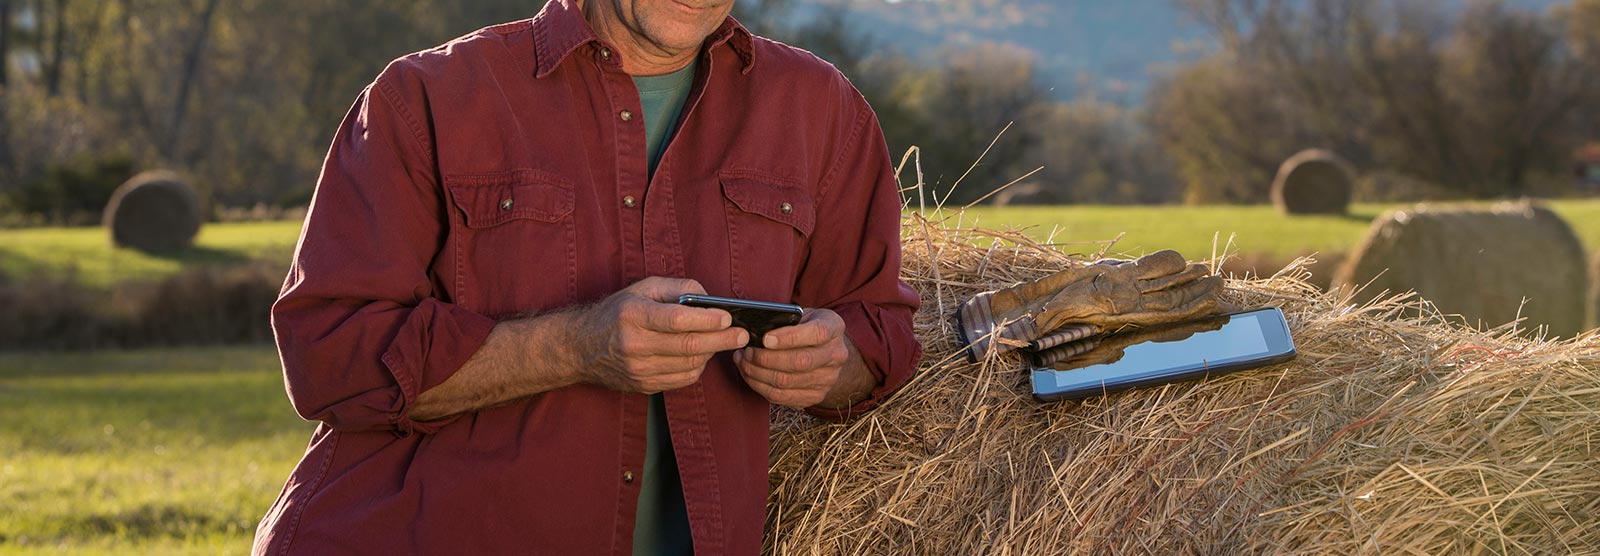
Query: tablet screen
{"points": [[1243, 338]]}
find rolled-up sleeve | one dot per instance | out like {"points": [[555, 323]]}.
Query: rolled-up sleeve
{"points": [[359, 326], [854, 265]]}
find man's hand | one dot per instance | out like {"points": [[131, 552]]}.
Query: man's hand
{"points": [[641, 340], [808, 364]]}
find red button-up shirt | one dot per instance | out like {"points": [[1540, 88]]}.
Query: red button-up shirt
{"points": [[504, 174]]}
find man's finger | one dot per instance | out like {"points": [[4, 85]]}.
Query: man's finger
{"points": [[666, 290], [673, 381], [818, 327], [673, 318], [660, 367], [799, 360], [700, 343], [786, 398], [779, 379]]}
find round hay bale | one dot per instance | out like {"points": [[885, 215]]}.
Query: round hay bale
{"points": [[1385, 435], [1313, 181], [156, 211], [1594, 292], [1476, 262]]}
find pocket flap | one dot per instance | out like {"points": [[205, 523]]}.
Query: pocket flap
{"points": [[489, 200], [786, 204]]}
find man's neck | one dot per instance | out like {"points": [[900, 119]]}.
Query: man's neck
{"points": [[640, 56]]}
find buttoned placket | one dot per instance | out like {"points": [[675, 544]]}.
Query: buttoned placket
{"points": [[629, 189], [686, 407], [650, 246]]}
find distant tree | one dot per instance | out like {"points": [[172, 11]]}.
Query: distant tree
{"points": [[1097, 152], [964, 104], [1481, 103], [1225, 131], [5, 70], [1582, 35], [5, 41]]}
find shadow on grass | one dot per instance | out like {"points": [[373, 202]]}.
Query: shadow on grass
{"points": [[148, 521], [201, 255], [1359, 216]]}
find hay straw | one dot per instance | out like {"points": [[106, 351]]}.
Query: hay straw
{"points": [[1396, 431]]}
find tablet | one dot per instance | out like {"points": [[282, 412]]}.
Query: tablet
{"points": [[1160, 355]]}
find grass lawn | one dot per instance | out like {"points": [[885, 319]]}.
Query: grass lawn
{"points": [[181, 451], [142, 452], [1256, 230], [88, 250]]}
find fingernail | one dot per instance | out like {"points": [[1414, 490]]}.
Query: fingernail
{"points": [[744, 338], [769, 341]]}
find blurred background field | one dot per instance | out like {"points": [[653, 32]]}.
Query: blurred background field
{"points": [[142, 452], [143, 404], [87, 254], [1258, 233]]}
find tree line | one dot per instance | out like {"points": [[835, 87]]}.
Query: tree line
{"points": [[245, 94]]}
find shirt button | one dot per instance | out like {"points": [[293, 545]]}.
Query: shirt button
{"points": [[626, 116], [629, 201], [786, 208], [627, 477], [505, 205]]}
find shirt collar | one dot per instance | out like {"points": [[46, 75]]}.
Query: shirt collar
{"points": [[560, 29]]}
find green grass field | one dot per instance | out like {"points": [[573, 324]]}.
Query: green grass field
{"points": [[181, 451], [88, 251], [142, 452], [1255, 230]]}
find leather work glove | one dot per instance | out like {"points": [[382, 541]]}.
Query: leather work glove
{"points": [[1110, 348], [1080, 302]]}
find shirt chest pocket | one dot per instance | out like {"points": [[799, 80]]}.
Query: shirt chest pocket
{"points": [[513, 240], [769, 232]]}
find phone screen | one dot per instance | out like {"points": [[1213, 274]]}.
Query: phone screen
{"points": [[1244, 340]]}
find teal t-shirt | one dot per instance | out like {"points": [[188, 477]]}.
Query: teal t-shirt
{"points": [[662, 525], [661, 98]]}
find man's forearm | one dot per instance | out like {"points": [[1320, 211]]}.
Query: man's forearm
{"points": [[520, 358], [855, 383]]}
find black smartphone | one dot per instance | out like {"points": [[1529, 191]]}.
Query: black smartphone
{"points": [[756, 317], [1159, 355]]}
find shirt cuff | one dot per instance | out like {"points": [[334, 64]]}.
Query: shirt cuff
{"points": [[433, 343], [889, 348]]}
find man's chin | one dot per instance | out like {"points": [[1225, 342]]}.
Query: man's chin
{"points": [[679, 40]]}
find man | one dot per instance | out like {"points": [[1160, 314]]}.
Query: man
{"points": [[481, 308]]}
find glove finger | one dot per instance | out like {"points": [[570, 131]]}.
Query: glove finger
{"points": [[1193, 272], [1049, 285], [1101, 355], [1176, 298], [1063, 335], [1193, 310], [1158, 264], [1184, 330], [1066, 351]]}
